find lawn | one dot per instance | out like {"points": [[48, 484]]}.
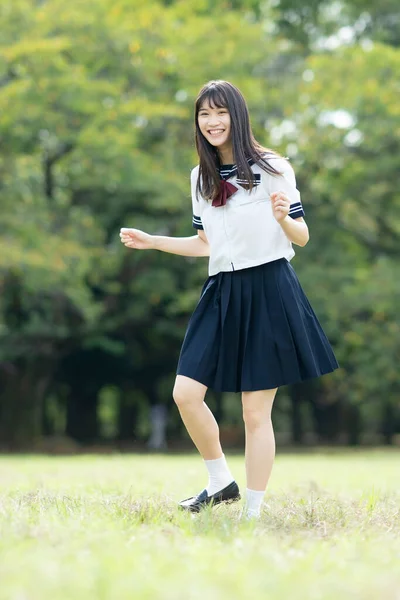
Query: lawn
{"points": [[107, 527]]}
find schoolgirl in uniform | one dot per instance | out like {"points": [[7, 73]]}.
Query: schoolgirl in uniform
{"points": [[253, 329]]}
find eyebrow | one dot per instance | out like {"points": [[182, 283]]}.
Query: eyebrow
{"points": [[213, 108]]}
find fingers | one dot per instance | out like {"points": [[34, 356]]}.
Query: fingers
{"points": [[127, 233], [279, 193], [280, 202], [280, 205], [127, 240], [279, 196], [276, 196], [127, 237]]}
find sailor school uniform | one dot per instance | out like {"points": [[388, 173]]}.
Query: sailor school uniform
{"points": [[253, 327]]}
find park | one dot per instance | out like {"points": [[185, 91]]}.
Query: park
{"points": [[97, 133], [108, 527]]}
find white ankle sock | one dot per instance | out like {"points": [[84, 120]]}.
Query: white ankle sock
{"points": [[254, 500], [219, 475]]}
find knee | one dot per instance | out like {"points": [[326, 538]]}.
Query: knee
{"points": [[183, 395], [253, 418]]}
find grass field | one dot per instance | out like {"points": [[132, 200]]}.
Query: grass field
{"points": [[107, 527]]}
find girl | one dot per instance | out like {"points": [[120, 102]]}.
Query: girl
{"points": [[253, 329]]}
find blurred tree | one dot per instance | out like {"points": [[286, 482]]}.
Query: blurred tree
{"points": [[316, 25], [95, 110], [348, 130], [96, 133]]}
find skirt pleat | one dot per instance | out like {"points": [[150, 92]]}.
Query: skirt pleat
{"points": [[254, 329]]}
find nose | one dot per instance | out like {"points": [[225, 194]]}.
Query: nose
{"points": [[214, 121]]}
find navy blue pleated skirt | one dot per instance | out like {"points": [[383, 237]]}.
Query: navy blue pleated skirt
{"points": [[254, 329]]}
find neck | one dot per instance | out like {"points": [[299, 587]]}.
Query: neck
{"points": [[226, 155]]}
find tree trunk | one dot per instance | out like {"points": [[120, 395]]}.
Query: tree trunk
{"points": [[388, 427], [82, 421], [354, 424], [296, 396], [23, 387], [127, 414], [327, 421], [158, 425]]}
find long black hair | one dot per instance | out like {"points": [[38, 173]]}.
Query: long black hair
{"points": [[222, 94]]}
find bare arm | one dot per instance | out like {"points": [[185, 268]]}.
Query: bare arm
{"points": [[285, 194], [196, 245], [296, 230]]}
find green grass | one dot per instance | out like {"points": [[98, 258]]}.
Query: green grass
{"points": [[107, 527]]}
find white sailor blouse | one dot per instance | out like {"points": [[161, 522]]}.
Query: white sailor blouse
{"points": [[243, 232]]}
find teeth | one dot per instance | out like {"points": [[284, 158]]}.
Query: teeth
{"points": [[216, 131]]}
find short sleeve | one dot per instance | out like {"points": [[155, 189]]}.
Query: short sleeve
{"points": [[286, 183], [196, 203]]}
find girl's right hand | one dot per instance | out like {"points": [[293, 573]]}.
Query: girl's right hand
{"points": [[135, 238]]}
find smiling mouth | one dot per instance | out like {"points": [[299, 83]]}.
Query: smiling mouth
{"points": [[216, 131]]}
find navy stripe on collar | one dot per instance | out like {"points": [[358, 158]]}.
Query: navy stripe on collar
{"points": [[228, 173]]}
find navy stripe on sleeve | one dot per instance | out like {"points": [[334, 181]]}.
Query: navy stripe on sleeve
{"points": [[197, 224], [296, 210]]}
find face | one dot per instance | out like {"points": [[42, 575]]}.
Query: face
{"points": [[215, 125]]}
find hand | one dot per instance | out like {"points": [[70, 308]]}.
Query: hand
{"points": [[280, 205], [135, 238]]}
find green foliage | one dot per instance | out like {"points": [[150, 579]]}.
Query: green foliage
{"points": [[350, 147], [96, 103]]}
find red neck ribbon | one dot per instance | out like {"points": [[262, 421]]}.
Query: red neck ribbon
{"points": [[226, 191]]}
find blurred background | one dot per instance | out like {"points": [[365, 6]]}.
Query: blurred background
{"points": [[96, 133]]}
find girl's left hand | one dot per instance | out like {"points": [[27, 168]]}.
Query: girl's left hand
{"points": [[280, 205]]}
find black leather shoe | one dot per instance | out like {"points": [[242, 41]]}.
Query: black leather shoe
{"points": [[194, 504]]}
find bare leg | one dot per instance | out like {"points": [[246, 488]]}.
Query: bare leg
{"points": [[260, 439], [197, 417]]}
